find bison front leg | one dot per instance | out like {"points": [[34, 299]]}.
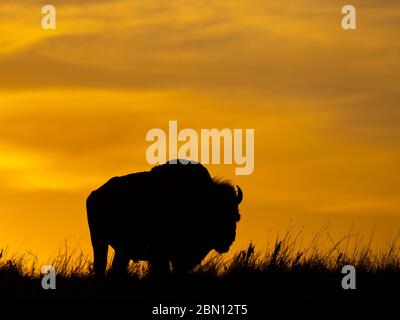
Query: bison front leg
{"points": [[159, 267], [182, 267], [184, 262]]}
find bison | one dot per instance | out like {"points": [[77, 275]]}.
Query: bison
{"points": [[174, 214]]}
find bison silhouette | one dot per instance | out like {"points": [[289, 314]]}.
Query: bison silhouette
{"points": [[174, 214]]}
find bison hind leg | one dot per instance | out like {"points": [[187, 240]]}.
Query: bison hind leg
{"points": [[120, 263], [100, 250]]}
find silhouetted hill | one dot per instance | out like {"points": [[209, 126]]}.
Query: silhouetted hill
{"points": [[249, 276]]}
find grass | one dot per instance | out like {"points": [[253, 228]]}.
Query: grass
{"points": [[286, 269]]}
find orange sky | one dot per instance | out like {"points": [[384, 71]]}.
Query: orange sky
{"points": [[76, 103]]}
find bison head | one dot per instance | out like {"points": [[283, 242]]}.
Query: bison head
{"points": [[225, 215]]}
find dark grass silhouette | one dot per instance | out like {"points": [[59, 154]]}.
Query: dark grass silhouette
{"points": [[285, 270]]}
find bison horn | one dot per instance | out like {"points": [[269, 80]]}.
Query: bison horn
{"points": [[239, 195]]}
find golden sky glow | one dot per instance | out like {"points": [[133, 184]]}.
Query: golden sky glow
{"points": [[76, 103]]}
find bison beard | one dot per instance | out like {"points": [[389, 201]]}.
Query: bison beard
{"points": [[174, 213]]}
